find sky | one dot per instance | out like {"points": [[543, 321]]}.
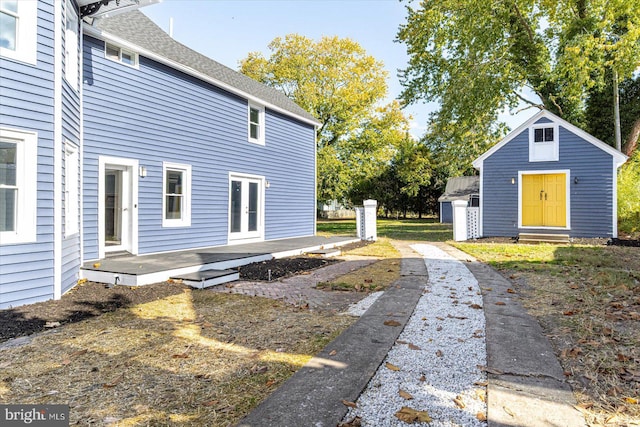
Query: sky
{"points": [[227, 30]]}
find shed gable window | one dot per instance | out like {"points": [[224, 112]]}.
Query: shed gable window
{"points": [[18, 30], [176, 198], [256, 124], [118, 54], [543, 143], [18, 186]]}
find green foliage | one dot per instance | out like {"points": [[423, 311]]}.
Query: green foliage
{"points": [[342, 87], [475, 58], [629, 195]]}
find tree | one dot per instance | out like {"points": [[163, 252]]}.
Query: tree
{"points": [[599, 114], [341, 86], [477, 58]]}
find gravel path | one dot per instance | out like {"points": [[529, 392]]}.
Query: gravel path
{"points": [[436, 359]]}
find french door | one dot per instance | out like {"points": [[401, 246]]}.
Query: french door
{"points": [[544, 200], [246, 205]]}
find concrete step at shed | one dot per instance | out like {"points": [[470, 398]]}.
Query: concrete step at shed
{"points": [[206, 278], [543, 238]]}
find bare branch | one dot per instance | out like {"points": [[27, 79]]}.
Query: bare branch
{"points": [[527, 101]]}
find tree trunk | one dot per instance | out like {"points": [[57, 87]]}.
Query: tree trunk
{"points": [[631, 143]]}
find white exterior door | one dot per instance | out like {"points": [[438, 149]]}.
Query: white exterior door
{"points": [[117, 204], [246, 206]]}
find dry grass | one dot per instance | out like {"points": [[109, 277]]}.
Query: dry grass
{"points": [[195, 358], [375, 277], [587, 299]]}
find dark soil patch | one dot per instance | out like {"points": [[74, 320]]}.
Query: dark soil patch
{"points": [[283, 267], [86, 300], [624, 242]]}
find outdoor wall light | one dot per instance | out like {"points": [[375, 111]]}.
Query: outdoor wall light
{"points": [[575, 180], [513, 180], [267, 184], [142, 171]]}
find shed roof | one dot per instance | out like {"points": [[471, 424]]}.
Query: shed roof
{"points": [[460, 188], [136, 28]]}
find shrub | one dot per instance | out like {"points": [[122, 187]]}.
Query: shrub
{"points": [[629, 195]]}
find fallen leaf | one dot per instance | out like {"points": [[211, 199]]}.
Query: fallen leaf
{"points": [[622, 358], [402, 342], [391, 366], [508, 411], [270, 383], [481, 416], [500, 303], [569, 313], [349, 404], [481, 394], [333, 353], [355, 422], [65, 362], [459, 403], [439, 353], [414, 347], [403, 394], [210, 402], [476, 306], [78, 353], [439, 328], [409, 415], [114, 382], [422, 378], [481, 383], [511, 291], [392, 323], [490, 370]]}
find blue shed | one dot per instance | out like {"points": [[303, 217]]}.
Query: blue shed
{"points": [[465, 188], [549, 177]]}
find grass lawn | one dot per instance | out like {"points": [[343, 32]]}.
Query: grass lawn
{"points": [[194, 358], [428, 229], [587, 298]]}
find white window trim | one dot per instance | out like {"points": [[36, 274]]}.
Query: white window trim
{"points": [[135, 55], [553, 145], [261, 127], [72, 192], [185, 221], [27, 34], [567, 173], [26, 181], [72, 55]]}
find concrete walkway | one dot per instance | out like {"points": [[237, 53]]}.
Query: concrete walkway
{"points": [[526, 385]]}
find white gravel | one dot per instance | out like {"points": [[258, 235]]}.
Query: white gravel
{"points": [[363, 305], [450, 335]]}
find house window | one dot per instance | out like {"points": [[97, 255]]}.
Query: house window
{"points": [[18, 30], [256, 124], [118, 54], [543, 143], [18, 186], [176, 200], [71, 186], [71, 46]]}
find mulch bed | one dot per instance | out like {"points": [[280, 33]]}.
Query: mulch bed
{"points": [[93, 299]]}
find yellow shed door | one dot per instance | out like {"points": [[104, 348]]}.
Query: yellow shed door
{"points": [[544, 200]]}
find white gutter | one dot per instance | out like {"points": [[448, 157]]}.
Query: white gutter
{"points": [[94, 32]]}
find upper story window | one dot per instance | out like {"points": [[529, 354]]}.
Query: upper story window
{"points": [[176, 201], [256, 124], [543, 143], [18, 30], [124, 56], [71, 46], [18, 186]]}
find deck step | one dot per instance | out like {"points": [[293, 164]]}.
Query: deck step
{"points": [[543, 238], [326, 253], [206, 278]]}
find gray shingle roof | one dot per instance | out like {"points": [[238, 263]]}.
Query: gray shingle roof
{"points": [[460, 188], [141, 31]]}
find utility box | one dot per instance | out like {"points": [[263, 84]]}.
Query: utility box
{"points": [[366, 220]]}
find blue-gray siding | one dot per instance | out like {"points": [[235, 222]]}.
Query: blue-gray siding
{"points": [[155, 114], [26, 270], [446, 212], [591, 198]]}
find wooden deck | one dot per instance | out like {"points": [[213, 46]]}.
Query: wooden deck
{"points": [[138, 270]]}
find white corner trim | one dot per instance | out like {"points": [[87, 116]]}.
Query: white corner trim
{"points": [[614, 201], [58, 147]]}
